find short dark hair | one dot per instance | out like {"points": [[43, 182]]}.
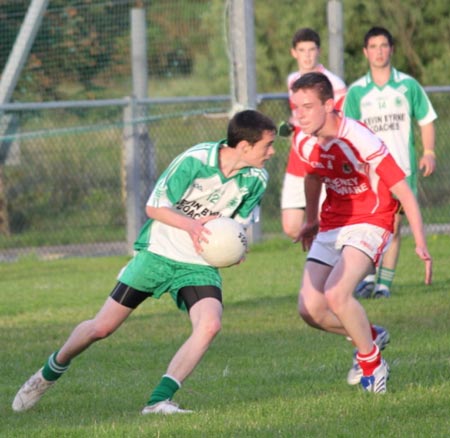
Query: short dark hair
{"points": [[305, 34], [378, 31], [248, 125], [315, 81]]}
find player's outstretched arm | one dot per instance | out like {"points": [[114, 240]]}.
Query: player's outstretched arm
{"points": [[409, 203]]}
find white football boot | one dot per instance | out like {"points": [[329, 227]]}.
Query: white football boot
{"points": [[30, 392]]}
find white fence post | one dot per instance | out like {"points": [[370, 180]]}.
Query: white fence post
{"points": [[243, 69], [336, 37], [131, 174]]}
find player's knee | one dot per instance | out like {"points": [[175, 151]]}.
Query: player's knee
{"points": [[100, 330], [210, 328], [301, 308], [213, 327], [306, 316], [335, 300], [310, 311], [304, 311]]}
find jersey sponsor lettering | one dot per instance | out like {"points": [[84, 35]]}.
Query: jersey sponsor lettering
{"points": [[386, 122], [348, 186], [194, 209]]}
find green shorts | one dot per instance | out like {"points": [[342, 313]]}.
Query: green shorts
{"points": [[155, 274]]}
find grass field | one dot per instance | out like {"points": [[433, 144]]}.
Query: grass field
{"points": [[266, 375]]}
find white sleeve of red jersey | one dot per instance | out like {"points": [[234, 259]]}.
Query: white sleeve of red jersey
{"points": [[304, 146]]}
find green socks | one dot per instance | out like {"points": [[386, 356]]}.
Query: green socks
{"points": [[385, 277], [165, 390], [52, 369]]}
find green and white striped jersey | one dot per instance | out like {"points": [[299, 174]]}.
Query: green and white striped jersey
{"points": [[389, 112], [194, 185]]}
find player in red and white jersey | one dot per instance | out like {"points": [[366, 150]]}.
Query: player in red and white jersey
{"points": [[357, 179], [356, 223], [306, 51]]}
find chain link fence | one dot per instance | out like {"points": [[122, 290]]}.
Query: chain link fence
{"points": [[64, 186], [78, 161]]}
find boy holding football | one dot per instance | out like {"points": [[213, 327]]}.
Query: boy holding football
{"points": [[226, 178]]}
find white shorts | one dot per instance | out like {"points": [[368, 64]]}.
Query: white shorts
{"points": [[370, 239], [293, 192]]}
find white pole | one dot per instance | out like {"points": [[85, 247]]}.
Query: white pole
{"points": [[139, 53], [336, 37], [21, 49], [140, 153], [131, 175], [243, 69], [242, 47]]}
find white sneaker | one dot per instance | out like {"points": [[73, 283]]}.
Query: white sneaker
{"points": [[364, 289], [165, 407], [382, 292], [355, 373], [377, 381], [30, 392]]}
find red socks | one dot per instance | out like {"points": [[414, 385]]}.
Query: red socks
{"points": [[368, 362], [374, 332]]}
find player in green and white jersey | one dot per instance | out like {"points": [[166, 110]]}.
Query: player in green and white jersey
{"points": [[211, 179], [194, 185], [388, 101]]}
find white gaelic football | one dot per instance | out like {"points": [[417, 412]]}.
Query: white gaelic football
{"points": [[227, 242]]}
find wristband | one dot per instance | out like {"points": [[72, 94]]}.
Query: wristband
{"points": [[429, 152]]}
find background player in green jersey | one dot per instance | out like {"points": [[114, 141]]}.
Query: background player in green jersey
{"points": [[388, 101], [223, 178]]}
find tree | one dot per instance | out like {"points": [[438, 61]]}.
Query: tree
{"points": [[74, 44]]}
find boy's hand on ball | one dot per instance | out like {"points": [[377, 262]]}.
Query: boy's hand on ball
{"points": [[198, 233]]}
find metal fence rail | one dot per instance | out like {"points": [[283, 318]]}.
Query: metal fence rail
{"points": [[66, 183]]}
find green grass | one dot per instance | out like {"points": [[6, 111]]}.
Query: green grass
{"points": [[266, 375]]}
